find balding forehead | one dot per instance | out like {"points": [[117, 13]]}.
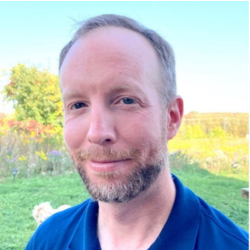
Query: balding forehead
{"points": [[122, 35], [117, 41]]}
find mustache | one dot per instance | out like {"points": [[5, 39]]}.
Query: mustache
{"points": [[105, 154]]}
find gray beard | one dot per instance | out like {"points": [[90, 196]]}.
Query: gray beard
{"points": [[138, 181], [116, 192]]}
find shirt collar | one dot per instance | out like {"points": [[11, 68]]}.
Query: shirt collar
{"points": [[181, 229]]}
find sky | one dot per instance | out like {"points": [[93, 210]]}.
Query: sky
{"points": [[210, 41]]}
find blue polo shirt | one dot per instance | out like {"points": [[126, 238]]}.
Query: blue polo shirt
{"points": [[192, 224]]}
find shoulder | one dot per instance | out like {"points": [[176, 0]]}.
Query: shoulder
{"points": [[208, 227], [58, 228], [217, 230]]}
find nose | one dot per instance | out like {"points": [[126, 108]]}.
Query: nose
{"points": [[101, 127]]}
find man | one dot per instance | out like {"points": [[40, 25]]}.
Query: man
{"points": [[119, 93]]}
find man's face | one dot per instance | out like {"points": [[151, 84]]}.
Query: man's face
{"points": [[114, 122]]}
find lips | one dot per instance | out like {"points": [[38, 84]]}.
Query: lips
{"points": [[107, 166]]}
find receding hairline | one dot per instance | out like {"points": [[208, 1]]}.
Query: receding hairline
{"points": [[162, 48], [144, 49], [100, 28]]}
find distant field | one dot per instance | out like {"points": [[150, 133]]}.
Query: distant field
{"points": [[222, 156], [18, 199]]}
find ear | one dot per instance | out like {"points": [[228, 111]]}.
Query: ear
{"points": [[174, 114]]}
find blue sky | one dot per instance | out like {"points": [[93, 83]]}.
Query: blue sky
{"points": [[210, 40]]}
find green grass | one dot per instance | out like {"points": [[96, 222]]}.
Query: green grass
{"points": [[18, 198], [219, 191]]}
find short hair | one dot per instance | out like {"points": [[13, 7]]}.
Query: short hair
{"points": [[163, 49]]}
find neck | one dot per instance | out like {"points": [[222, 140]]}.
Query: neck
{"points": [[129, 225]]}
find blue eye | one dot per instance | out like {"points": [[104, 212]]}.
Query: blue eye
{"points": [[79, 105], [127, 100]]}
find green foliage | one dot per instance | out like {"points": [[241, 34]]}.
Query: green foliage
{"points": [[228, 155], [192, 132], [214, 125], [216, 140], [35, 95], [179, 160], [218, 132], [32, 148]]}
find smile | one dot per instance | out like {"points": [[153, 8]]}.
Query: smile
{"points": [[107, 166]]}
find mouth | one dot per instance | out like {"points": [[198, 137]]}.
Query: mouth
{"points": [[108, 166]]}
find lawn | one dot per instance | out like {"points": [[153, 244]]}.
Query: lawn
{"points": [[18, 198], [220, 191]]}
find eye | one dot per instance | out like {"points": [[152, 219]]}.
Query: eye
{"points": [[127, 100], [78, 105]]}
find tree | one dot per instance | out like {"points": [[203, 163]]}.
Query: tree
{"points": [[35, 95]]}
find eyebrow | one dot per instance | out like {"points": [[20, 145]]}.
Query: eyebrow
{"points": [[70, 95], [119, 88], [123, 87]]}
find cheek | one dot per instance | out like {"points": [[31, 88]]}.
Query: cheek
{"points": [[74, 135], [142, 132]]}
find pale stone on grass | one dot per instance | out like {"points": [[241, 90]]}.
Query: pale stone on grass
{"points": [[245, 193]]}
